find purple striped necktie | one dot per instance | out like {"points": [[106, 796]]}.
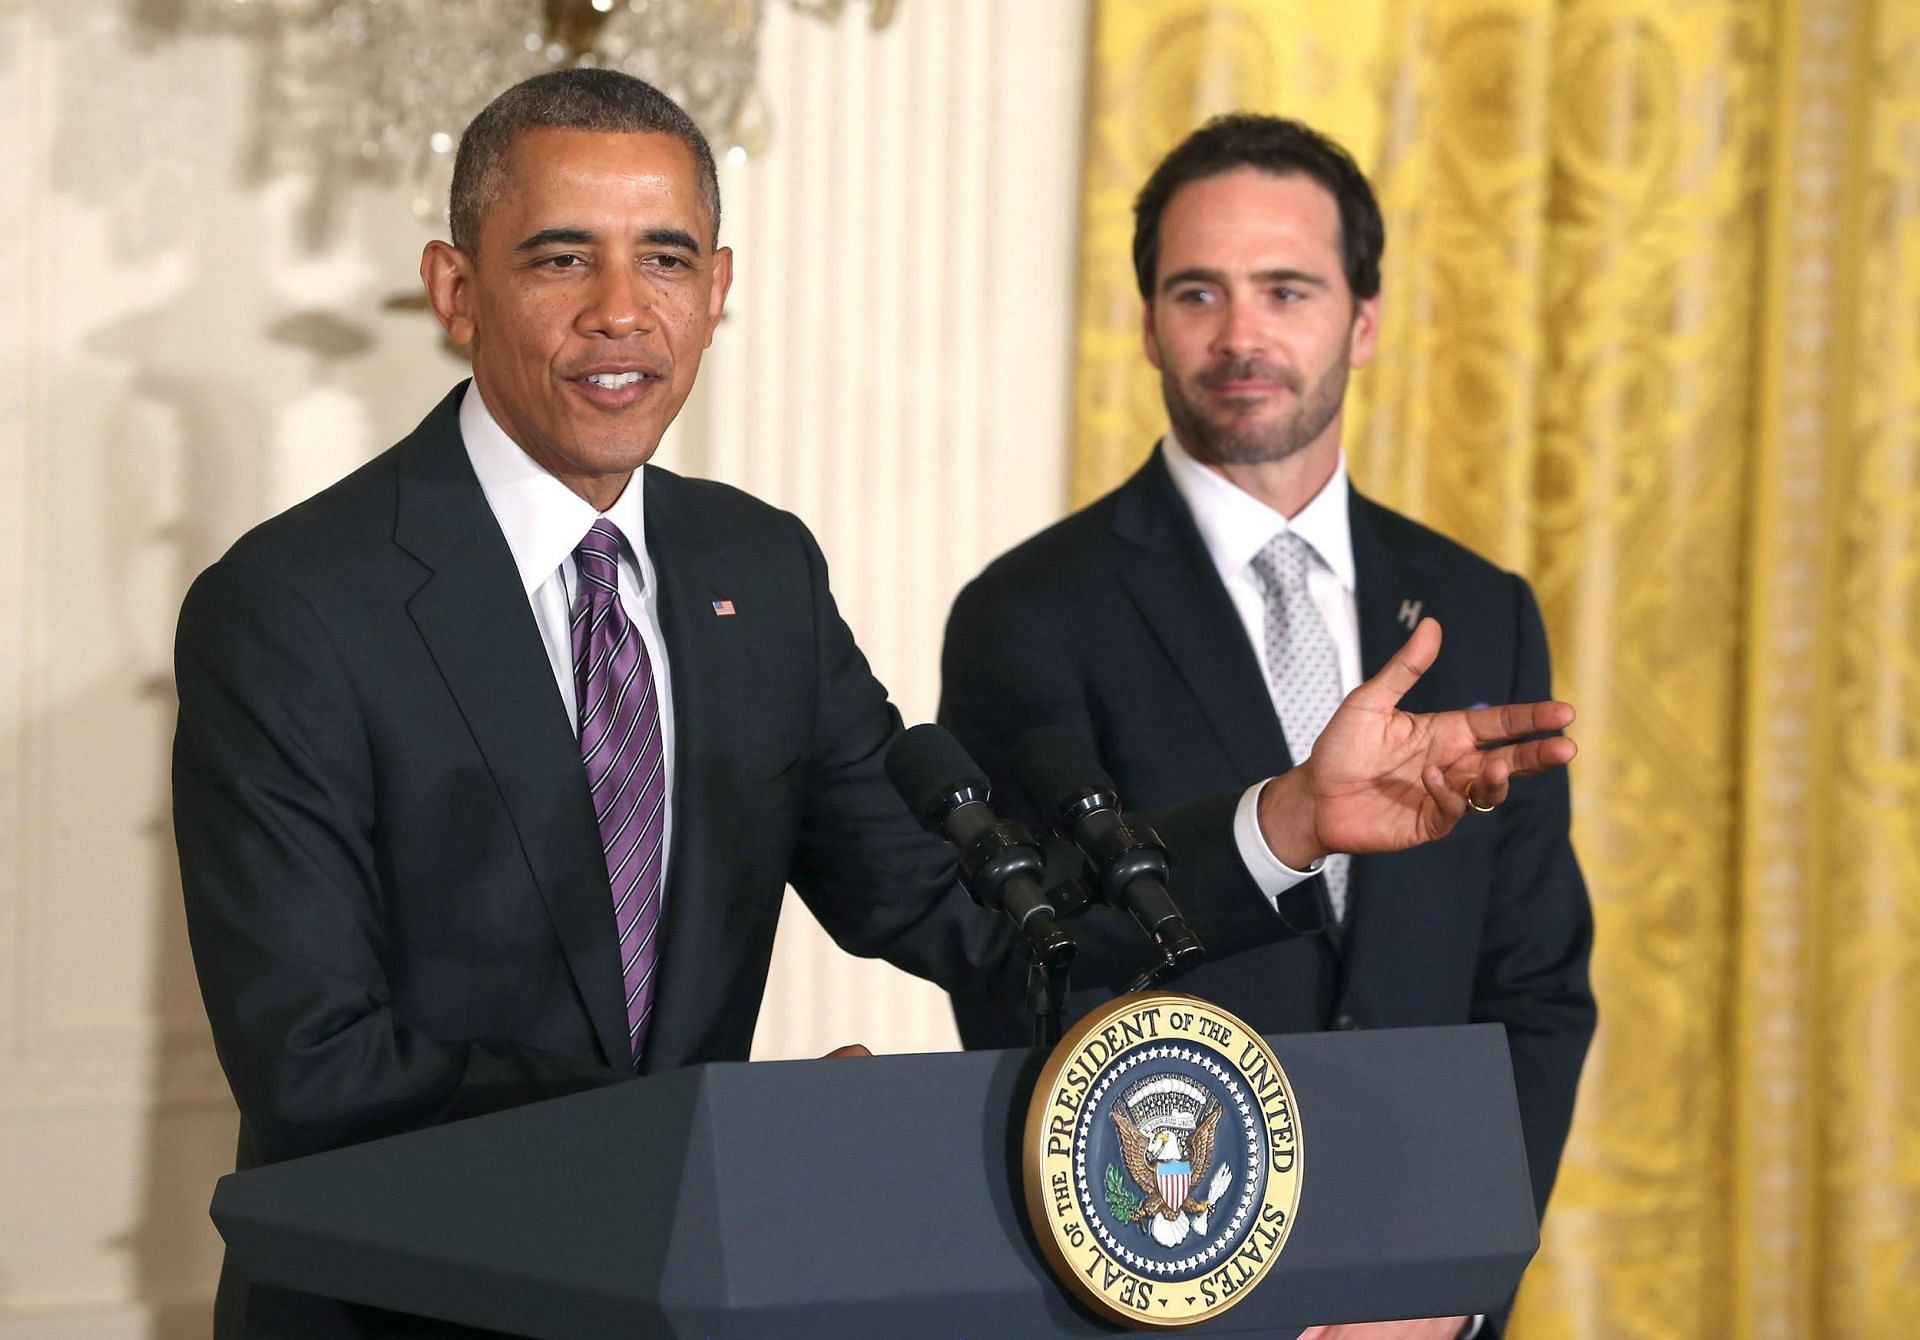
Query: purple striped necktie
{"points": [[626, 763]]}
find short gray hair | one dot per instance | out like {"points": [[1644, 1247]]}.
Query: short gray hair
{"points": [[571, 99]]}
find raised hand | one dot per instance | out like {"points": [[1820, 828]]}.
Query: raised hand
{"points": [[1381, 779]]}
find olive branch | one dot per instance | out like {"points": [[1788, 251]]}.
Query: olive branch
{"points": [[1120, 1198]]}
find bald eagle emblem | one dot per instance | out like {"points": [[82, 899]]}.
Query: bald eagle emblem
{"points": [[1166, 1124]]}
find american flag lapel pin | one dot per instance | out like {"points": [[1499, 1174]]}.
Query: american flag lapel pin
{"points": [[723, 609]]}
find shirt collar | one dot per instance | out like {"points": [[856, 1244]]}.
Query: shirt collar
{"points": [[1235, 525], [543, 519]]}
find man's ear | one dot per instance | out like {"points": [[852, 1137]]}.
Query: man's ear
{"points": [[1148, 339], [717, 296], [447, 274], [1365, 335]]}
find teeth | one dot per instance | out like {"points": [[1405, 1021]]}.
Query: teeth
{"points": [[614, 380]]}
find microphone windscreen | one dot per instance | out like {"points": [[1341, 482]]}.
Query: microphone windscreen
{"points": [[1057, 767], [926, 765]]}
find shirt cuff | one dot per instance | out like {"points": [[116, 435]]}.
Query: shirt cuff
{"points": [[1273, 875]]}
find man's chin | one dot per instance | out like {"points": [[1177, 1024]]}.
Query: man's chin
{"points": [[618, 435], [1217, 448], [621, 460]]}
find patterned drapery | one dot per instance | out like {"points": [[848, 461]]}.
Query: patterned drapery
{"points": [[1652, 337]]}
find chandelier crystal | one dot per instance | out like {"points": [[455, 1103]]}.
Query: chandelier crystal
{"points": [[381, 89]]}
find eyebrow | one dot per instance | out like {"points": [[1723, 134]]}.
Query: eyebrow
{"points": [[671, 237], [576, 237], [1201, 275]]}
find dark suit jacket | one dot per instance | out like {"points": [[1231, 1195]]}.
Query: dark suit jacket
{"points": [[395, 891], [1114, 624]]}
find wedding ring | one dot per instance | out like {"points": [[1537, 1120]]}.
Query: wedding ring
{"points": [[1479, 809]]}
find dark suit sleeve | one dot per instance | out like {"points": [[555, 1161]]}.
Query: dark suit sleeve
{"points": [[1006, 670], [883, 888], [878, 884], [274, 815], [1531, 974]]}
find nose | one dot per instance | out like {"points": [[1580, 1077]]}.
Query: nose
{"points": [[1239, 332], [619, 303]]}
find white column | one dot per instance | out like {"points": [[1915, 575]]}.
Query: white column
{"points": [[895, 365]]}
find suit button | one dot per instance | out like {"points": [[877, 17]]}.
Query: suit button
{"points": [[1345, 1020]]}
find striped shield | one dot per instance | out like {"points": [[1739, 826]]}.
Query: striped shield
{"points": [[1175, 1178]]}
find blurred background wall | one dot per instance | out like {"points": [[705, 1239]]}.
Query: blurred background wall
{"points": [[1652, 337]]}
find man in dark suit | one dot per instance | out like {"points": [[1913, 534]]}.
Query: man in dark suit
{"points": [[493, 759], [1195, 625]]}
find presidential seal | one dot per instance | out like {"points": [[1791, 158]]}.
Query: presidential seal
{"points": [[1162, 1160]]}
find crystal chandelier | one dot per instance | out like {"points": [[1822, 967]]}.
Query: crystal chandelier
{"points": [[381, 89]]}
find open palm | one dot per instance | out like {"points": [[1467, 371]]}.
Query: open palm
{"points": [[1381, 779]]}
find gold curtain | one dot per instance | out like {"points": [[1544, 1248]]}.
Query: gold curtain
{"points": [[1652, 337]]}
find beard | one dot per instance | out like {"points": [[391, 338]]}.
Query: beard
{"points": [[1236, 440]]}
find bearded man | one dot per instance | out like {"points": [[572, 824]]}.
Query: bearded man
{"points": [[1198, 625]]}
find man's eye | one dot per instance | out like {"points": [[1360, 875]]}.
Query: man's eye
{"points": [[1193, 297], [566, 260], [670, 262]]}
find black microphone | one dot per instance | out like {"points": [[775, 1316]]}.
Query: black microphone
{"points": [[1000, 865], [1129, 864]]}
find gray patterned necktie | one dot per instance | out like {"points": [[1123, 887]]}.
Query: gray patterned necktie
{"points": [[1301, 664]]}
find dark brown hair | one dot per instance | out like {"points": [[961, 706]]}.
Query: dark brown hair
{"points": [[1281, 147]]}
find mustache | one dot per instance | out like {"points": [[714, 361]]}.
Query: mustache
{"points": [[1249, 369]]}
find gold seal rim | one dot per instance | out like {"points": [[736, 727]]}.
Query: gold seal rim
{"points": [[1032, 1156]]}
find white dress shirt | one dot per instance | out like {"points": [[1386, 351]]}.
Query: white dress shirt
{"points": [[1234, 525], [544, 522]]}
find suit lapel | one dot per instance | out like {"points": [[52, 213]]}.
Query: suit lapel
{"points": [[474, 618], [1391, 598], [692, 576], [1177, 590]]}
